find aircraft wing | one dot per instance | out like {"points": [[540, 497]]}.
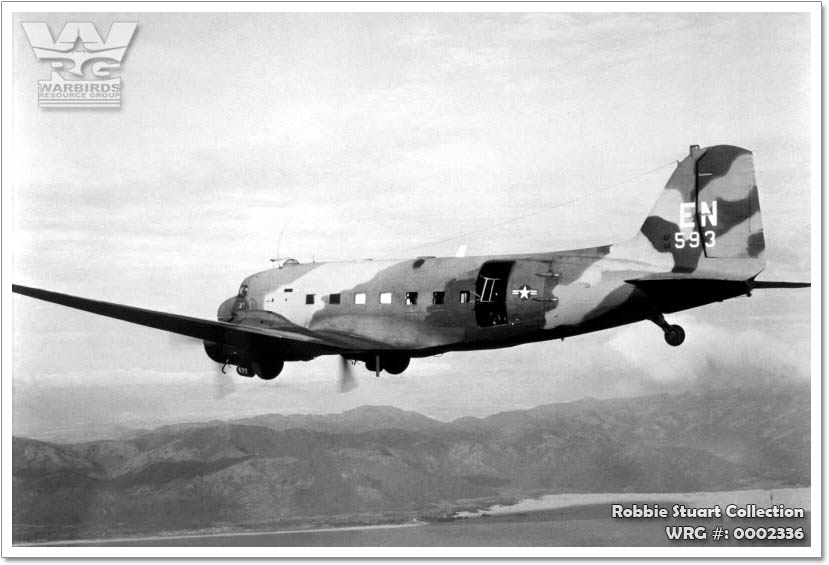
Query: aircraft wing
{"points": [[288, 339]]}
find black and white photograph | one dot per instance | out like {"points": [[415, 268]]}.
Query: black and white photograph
{"points": [[411, 280]]}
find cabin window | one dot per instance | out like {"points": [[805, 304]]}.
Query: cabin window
{"points": [[411, 298], [464, 298], [360, 298], [334, 299], [438, 297], [385, 298], [309, 299], [288, 290]]}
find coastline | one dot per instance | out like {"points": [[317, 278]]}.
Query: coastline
{"points": [[790, 496], [219, 535], [556, 507]]}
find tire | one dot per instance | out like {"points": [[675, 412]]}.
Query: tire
{"points": [[675, 335], [268, 370], [395, 365]]}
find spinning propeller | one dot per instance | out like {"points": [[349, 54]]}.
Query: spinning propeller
{"points": [[223, 381], [347, 380]]}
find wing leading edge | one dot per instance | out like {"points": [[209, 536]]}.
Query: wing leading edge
{"points": [[288, 341]]}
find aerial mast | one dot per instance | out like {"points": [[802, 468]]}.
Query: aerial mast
{"points": [[275, 260]]}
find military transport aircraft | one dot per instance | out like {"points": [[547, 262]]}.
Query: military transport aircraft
{"points": [[701, 243]]}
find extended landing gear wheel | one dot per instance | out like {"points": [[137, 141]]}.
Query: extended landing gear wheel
{"points": [[674, 335], [395, 365], [268, 370]]}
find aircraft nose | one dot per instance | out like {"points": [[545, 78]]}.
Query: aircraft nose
{"points": [[225, 313]]}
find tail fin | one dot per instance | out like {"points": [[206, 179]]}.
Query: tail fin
{"points": [[709, 210]]}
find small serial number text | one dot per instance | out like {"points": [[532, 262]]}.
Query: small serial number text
{"points": [[769, 533]]}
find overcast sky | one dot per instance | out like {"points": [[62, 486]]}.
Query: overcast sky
{"points": [[391, 135]]}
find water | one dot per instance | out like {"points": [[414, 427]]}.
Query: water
{"points": [[555, 520], [531, 530]]}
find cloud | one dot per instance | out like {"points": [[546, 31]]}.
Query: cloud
{"points": [[713, 355]]}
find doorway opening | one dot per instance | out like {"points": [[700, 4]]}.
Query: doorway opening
{"points": [[491, 293]]}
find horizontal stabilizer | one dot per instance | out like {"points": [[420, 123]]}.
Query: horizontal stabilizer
{"points": [[668, 277], [780, 284], [669, 294]]}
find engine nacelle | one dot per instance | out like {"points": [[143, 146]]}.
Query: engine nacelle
{"points": [[222, 354], [394, 364], [267, 369]]}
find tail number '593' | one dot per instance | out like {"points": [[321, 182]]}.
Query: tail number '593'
{"points": [[693, 239]]}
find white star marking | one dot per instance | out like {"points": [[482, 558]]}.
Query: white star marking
{"points": [[524, 292]]}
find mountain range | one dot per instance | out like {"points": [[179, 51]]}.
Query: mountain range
{"points": [[379, 463]]}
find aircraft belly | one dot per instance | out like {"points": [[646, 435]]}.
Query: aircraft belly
{"points": [[407, 331]]}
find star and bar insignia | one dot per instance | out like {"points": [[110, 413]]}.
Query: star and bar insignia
{"points": [[524, 292]]}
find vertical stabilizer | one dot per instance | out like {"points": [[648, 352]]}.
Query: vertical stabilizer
{"points": [[709, 210]]}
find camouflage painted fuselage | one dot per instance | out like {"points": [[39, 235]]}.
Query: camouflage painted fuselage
{"points": [[703, 242]]}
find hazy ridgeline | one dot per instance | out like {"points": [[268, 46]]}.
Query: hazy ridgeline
{"points": [[382, 463]]}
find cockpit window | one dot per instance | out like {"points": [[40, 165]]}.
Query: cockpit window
{"points": [[243, 291]]}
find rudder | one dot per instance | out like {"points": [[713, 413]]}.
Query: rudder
{"points": [[727, 190]]}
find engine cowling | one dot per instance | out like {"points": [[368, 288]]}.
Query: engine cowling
{"points": [[392, 364], [215, 352], [395, 364], [268, 369]]}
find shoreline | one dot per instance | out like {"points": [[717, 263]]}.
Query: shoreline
{"points": [[791, 496], [221, 534]]}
